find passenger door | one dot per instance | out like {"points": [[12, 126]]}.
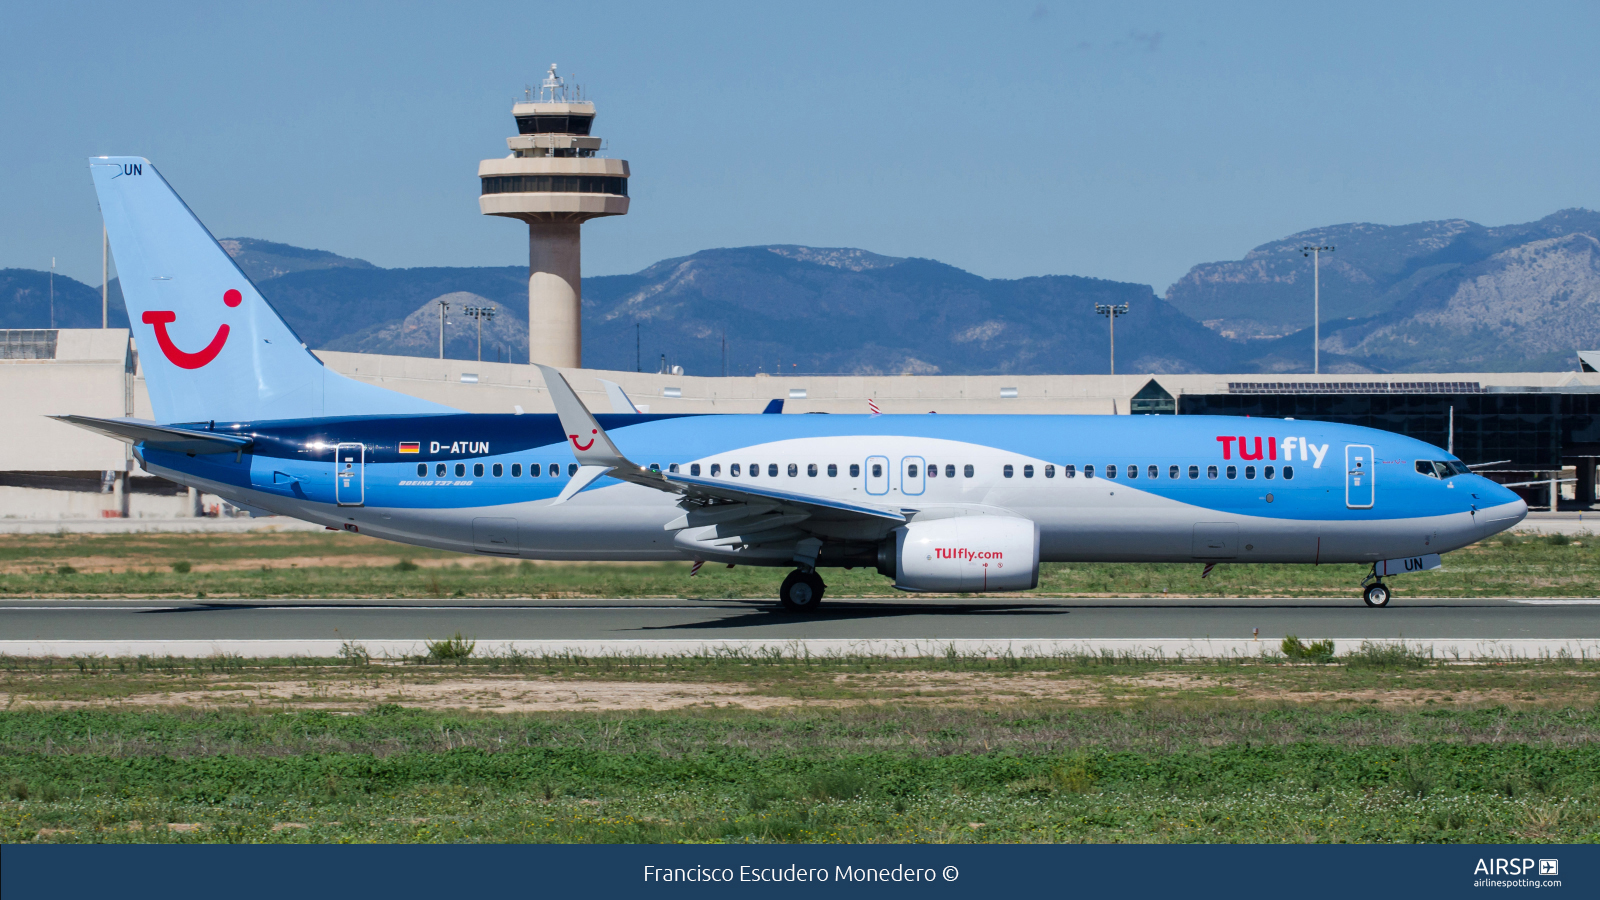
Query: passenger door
{"points": [[911, 475], [877, 474], [1359, 471], [349, 474]]}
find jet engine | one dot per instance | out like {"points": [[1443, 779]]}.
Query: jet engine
{"points": [[966, 553]]}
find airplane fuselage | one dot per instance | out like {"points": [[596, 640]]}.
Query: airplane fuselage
{"points": [[1100, 488]]}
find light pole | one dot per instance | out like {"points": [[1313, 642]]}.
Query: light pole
{"points": [[1111, 312], [480, 313], [1316, 304], [443, 306]]}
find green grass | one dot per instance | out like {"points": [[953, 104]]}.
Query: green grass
{"points": [[857, 775], [327, 565]]}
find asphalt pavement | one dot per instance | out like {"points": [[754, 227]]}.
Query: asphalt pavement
{"points": [[114, 626]]}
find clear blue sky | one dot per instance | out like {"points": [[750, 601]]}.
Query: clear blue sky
{"points": [[1120, 140]]}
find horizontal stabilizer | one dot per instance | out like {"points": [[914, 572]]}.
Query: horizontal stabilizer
{"points": [[161, 437]]}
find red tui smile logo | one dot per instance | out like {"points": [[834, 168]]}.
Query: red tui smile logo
{"points": [[583, 446], [180, 358]]}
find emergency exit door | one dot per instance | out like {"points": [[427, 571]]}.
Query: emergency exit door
{"points": [[1358, 476], [349, 474]]}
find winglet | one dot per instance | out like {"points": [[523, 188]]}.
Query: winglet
{"points": [[620, 401], [774, 407], [590, 444]]}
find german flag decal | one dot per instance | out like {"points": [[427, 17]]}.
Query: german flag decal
{"points": [[410, 446]]}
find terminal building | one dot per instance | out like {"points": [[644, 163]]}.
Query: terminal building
{"points": [[1532, 430], [1538, 432]]}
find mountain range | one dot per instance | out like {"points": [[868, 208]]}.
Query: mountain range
{"points": [[1433, 296]]}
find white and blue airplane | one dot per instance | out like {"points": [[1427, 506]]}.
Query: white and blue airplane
{"points": [[938, 503]]}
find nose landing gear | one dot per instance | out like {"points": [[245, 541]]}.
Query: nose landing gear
{"points": [[802, 591], [1375, 593]]}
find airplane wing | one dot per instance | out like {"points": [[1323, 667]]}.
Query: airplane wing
{"points": [[162, 437], [594, 448]]}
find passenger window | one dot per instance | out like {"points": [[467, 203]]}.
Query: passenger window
{"points": [[911, 470], [694, 468], [1088, 471], [811, 470], [1249, 473], [1288, 473], [1154, 472], [933, 471], [967, 470], [516, 470], [499, 470], [572, 469], [1069, 471], [855, 470], [772, 470], [555, 470], [755, 470], [461, 470], [877, 470], [1049, 471], [439, 470], [1133, 471], [1268, 472], [1006, 471], [716, 469], [833, 470], [794, 470], [533, 470], [477, 470], [1233, 471], [1172, 471], [1111, 470], [1027, 471], [654, 467], [949, 471], [1211, 471], [733, 471], [422, 470], [1194, 472], [673, 468]]}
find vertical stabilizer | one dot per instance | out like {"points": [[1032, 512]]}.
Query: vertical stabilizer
{"points": [[210, 345]]}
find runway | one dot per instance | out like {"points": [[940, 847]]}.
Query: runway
{"points": [[898, 626]]}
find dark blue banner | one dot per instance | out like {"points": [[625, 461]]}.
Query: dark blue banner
{"points": [[1187, 871]]}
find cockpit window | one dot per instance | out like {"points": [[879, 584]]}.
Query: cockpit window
{"points": [[1441, 468]]}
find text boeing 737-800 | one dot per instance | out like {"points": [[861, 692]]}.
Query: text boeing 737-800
{"points": [[938, 503]]}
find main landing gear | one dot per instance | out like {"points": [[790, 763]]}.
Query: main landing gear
{"points": [[802, 591], [1375, 593]]}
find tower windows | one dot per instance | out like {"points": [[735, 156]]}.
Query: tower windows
{"points": [[555, 184], [548, 124]]}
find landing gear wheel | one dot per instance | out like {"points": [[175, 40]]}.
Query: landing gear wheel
{"points": [[802, 591], [1376, 595]]}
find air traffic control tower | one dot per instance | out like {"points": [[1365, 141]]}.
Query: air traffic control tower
{"points": [[555, 181]]}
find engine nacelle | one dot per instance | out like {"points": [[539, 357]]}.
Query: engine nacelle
{"points": [[969, 554]]}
